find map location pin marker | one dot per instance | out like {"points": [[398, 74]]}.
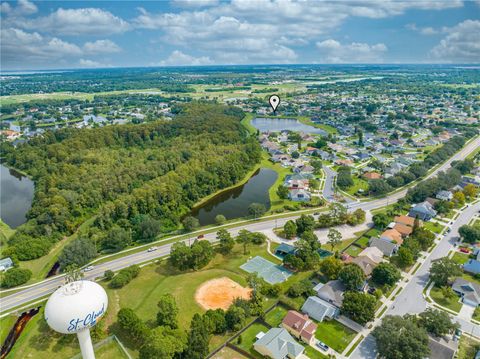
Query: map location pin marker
{"points": [[274, 102]]}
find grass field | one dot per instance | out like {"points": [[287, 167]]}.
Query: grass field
{"points": [[434, 227], [5, 232], [6, 325], [110, 350], [334, 334], [248, 338], [353, 250], [450, 303], [276, 315], [358, 183], [468, 348], [314, 354], [460, 258]]}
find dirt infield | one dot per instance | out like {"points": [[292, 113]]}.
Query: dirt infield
{"points": [[220, 293]]}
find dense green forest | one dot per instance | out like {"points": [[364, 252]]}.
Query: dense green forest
{"points": [[126, 175]]}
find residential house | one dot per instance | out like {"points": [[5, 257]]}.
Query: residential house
{"points": [[407, 221], [6, 264], [423, 211], [327, 302], [299, 195], [366, 263], [331, 292], [472, 266], [277, 343], [372, 175], [469, 292], [442, 348], [404, 230], [385, 245], [444, 195], [393, 235], [372, 253], [300, 326]]}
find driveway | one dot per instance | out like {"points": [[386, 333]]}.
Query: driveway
{"points": [[466, 312]]}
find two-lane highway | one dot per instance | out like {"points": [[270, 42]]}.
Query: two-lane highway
{"points": [[38, 290]]}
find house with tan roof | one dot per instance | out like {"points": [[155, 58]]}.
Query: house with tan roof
{"points": [[404, 230], [300, 326], [406, 220], [393, 235], [365, 263], [372, 175], [373, 253]]}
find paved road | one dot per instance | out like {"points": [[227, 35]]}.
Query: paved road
{"points": [[328, 190], [411, 300], [41, 289]]}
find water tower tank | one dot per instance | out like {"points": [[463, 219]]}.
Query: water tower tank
{"points": [[76, 307]]}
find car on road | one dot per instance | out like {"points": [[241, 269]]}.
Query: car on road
{"points": [[322, 345], [88, 269], [464, 250], [152, 249]]}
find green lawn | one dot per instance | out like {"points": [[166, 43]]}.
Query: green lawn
{"points": [[334, 334], [5, 232], [451, 303], [341, 246], [314, 354], [228, 353], [460, 258], [467, 348], [6, 324], [362, 242], [248, 338], [434, 227], [276, 315], [110, 350], [476, 314], [353, 250], [358, 183]]}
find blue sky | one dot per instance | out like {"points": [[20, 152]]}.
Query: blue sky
{"points": [[76, 34]]}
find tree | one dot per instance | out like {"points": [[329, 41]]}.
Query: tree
{"points": [[258, 238], [180, 256], [305, 223], [14, 277], [79, 252], [256, 210], [313, 184], [378, 187], [216, 321], [470, 191], [442, 270], [282, 191], [381, 220], [436, 322], [401, 338], [424, 237], [116, 240], [459, 198], [190, 223], [220, 219], [331, 267], [290, 229], [133, 325], [108, 274], [386, 274], [235, 318], [344, 178], [244, 239], [448, 292], [334, 237], [198, 339], [317, 165], [147, 229], [73, 273], [405, 257], [359, 306], [167, 311], [352, 276], [469, 234], [226, 241], [163, 342], [302, 288]]}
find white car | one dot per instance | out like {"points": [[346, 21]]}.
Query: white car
{"points": [[151, 249], [88, 269]]}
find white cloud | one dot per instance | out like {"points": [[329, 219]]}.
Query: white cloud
{"points": [[461, 44], [178, 58], [332, 51], [87, 21], [101, 47], [91, 64], [23, 7], [194, 3], [424, 30]]}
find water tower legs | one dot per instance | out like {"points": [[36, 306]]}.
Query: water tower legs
{"points": [[85, 344]]}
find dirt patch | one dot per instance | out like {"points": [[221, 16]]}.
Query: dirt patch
{"points": [[220, 293]]}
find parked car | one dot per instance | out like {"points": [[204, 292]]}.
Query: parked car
{"points": [[464, 250], [151, 249], [322, 345], [88, 269]]}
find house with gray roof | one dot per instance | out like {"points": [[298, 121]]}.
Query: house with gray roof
{"points": [[423, 211], [442, 348], [385, 245], [318, 309], [6, 264], [469, 292], [277, 343], [332, 292]]}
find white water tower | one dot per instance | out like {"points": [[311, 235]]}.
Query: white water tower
{"points": [[75, 308]]}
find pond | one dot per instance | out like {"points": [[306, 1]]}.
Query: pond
{"points": [[233, 203], [283, 124], [16, 195]]}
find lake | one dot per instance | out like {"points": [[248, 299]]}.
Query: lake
{"points": [[283, 124], [16, 195], [233, 203]]}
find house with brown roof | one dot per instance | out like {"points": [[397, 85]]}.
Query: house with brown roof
{"points": [[300, 326], [406, 220], [393, 235], [404, 230], [372, 175], [365, 263]]}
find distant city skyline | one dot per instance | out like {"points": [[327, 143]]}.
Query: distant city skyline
{"points": [[80, 34]]}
